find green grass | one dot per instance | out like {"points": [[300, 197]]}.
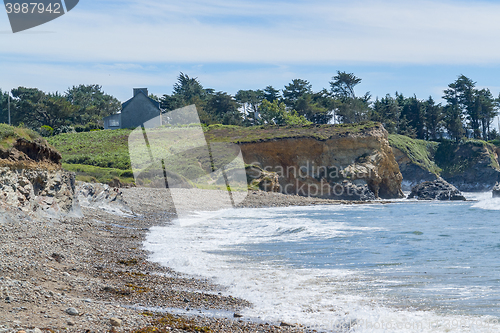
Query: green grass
{"points": [[105, 149], [236, 134], [420, 152], [90, 173], [9, 135]]}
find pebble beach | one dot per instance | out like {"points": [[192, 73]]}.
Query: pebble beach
{"points": [[89, 272]]}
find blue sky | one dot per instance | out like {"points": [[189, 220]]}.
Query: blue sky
{"points": [[414, 47]]}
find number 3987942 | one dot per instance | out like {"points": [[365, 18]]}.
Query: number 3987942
{"points": [[33, 7]]}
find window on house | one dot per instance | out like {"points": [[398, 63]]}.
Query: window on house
{"points": [[114, 123]]}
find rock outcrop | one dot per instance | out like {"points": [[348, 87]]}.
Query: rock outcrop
{"points": [[32, 182], [38, 191], [471, 166], [257, 178], [102, 196], [438, 189], [35, 154], [318, 167], [496, 191]]}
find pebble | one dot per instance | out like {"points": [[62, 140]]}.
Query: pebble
{"points": [[115, 322], [72, 311]]}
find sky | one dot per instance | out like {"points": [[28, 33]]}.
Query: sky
{"points": [[413, 47]]}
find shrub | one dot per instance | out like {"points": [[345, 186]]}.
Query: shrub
{"points": [[64, 129], [46, 131]]}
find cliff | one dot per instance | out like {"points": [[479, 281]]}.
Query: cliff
{"points": [[322, 161], [470, 165], [415, 159], [31, 179]]}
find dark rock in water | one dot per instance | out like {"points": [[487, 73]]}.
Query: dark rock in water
{"points": [[349, 191], [496, 190], [438, 189]]}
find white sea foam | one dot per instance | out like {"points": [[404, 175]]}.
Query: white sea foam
{"points": [[485, 201], [330, 298]]}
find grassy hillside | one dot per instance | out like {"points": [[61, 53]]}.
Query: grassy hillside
{"points": [[420, 152], [9, 135], [448, 158], [456, 158], [104, 155]]}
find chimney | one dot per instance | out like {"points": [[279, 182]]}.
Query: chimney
{"points": [[144, 90]]}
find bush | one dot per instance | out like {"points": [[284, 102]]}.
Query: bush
{"points": [[88, 128], [64, 129], [46, 131]]}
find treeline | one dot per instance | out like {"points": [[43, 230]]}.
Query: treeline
{"points": [[468, 111], [80, 108]]}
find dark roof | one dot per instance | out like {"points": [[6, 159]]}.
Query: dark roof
{"points": [[157, 104]]}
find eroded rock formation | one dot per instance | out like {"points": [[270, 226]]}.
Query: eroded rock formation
{"points": [[32, 182], [438, 189], [318, 168]]}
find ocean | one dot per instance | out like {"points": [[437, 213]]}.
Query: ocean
{"points": [[406, 266]]}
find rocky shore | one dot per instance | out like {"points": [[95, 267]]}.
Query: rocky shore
{"points": [[89, 273]]}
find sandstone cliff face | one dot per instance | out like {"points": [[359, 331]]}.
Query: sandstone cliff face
{"points": [[318, 168]]}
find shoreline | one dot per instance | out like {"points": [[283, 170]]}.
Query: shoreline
{"points": [[96, 265], [89, 273]]}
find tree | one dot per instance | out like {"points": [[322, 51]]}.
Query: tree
{"points": [[327, 104], [387, 111], [170, 103], [34, 108], [414, 112], [276, 113], [271, 94], [4, 116], [351, 109], [222, 107], [92, 104], [343, 84], [188, 88], [295, 90], [250, 101], [453, 113], [485, 107], [26, 103], [313, 111], [433, 119], [55, 112]]}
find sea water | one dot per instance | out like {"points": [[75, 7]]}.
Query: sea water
{"points": [[407, 266]]}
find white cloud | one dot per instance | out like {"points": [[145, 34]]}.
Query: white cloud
{"points": [[419, 32]]}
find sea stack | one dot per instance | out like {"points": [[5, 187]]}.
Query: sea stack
{"points": [[438, 189]]}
